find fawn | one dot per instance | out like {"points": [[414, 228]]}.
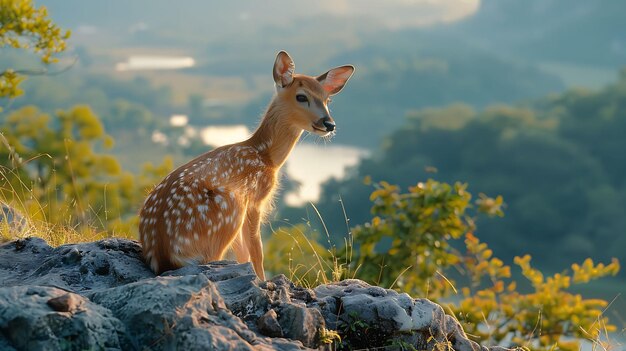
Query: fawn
{"points": [[219, 199]]}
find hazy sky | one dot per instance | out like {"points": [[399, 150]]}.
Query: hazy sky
{"points": [[401, 13], [388, 13]]}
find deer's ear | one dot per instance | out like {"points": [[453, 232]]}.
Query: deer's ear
{"points": [[283, 69], [334, 80]]}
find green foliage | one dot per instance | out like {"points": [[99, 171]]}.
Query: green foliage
{"points": [[411, 244], [406, 244], [328, 336], [356, 333], [23, 26], [9, 82], [399, 344], [421, 226], [125, 107], [51, 168], [547, 318]]}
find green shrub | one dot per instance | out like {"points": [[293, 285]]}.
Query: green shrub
{"points": [[409, 245]]}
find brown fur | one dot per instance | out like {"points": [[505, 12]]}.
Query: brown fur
{"points": [[219, 199]]}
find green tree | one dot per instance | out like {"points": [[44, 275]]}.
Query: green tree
{"points": [[51, 168], [23, 26]]}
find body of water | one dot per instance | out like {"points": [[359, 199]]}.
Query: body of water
{"points": [[138, 63], [313, 164]]}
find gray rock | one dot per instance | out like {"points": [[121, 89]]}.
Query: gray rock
{"points": [[186, 313], [120, 304], [268, 324], [301, 323], [27, 322], [76, 267], [237, 284], [250, 299], [369, 316]]}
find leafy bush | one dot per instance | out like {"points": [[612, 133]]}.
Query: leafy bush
{"points": [[51, 170], [411, 244], [546, 318], [407, 242]]}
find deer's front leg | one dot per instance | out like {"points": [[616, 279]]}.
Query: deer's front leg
{"points": [[251, 235]]}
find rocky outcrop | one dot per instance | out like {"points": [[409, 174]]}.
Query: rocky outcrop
{"points": [[101, 296]]}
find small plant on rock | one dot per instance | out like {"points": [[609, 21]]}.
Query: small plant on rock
{"points": [[328, 336]]}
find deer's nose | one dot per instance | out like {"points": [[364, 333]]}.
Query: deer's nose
{"points": [[329, 124]]}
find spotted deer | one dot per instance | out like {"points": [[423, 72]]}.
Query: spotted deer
{"points": [[219, 199]]}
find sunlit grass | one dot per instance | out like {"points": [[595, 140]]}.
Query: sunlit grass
{"points": [[22, 225], [25, 213]]}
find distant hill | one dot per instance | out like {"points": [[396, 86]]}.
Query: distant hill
{"points": [[401, 71], [509, 50], [586, 32]]}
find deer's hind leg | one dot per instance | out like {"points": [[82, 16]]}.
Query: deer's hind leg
{"points": [[208, 227], [239, 249]]}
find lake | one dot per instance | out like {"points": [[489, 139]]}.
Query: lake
{"points": [[138, 62]]}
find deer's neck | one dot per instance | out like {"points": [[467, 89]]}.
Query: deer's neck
{"points": [[275, 137]]}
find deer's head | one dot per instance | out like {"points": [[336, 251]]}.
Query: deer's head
{"points": [[307, 97]]}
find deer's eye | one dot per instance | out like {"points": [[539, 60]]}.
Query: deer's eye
{"points": [[302, 98]]}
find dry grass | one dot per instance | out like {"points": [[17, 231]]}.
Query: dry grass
{"points": [[23, 214]]}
